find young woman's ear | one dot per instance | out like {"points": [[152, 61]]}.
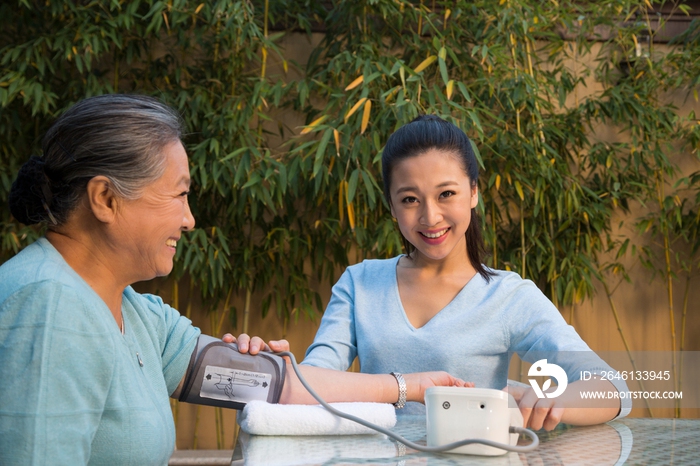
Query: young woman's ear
{"points": [[475, 196], [101, 199]]}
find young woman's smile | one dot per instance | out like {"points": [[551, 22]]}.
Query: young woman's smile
{"points": [[434, 237], [431, 199]]}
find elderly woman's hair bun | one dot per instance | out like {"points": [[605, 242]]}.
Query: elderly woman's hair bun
{"points": [[120, 137], [28, 202]]}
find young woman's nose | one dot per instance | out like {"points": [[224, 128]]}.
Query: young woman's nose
{"points": [[431, 214]]}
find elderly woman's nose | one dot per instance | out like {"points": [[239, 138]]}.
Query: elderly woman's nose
{"points": [[188, 221]]}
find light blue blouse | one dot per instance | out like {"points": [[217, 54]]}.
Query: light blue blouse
{"points": [[73, 389], [473, 337]]}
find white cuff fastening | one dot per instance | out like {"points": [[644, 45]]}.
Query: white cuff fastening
{"points": [[402, 390]]}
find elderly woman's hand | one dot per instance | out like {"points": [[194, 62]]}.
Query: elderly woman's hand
{"points": [[254, 345]]}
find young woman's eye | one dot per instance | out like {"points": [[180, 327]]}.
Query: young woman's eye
{"points": [[409, 200], [447, 194]]}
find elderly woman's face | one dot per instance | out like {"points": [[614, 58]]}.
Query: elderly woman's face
{"points": [[149, 227]]}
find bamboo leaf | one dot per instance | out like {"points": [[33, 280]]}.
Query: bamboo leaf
{"points": [[255, 179], [365, 116], [443, 71], [355, 83], [519, 189], [425, 63], [321, 151], [369, 185], [352, 185], [315, 123], [463, 90], [351, 216], [354, 108], [336, 137]]}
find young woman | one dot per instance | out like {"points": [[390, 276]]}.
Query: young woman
{"points": [[438, 306]]}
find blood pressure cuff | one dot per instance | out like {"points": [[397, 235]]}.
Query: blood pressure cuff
{"points": [[219, 375]]}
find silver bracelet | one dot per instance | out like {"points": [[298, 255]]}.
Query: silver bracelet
{"points": [[402, 390]]}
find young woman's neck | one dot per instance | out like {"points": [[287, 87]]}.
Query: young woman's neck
{"points": [[454, 263]]}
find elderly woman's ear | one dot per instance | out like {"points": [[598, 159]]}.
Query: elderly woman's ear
{"points": [[102, 199]]}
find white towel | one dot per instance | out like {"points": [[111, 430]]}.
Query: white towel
{"points": [[262, 418], [297, 451]]}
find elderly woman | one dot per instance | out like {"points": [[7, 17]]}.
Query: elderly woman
{"points": [[87, 363]]}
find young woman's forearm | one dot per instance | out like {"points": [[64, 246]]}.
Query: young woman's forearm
{"points": [[335, 386], [338, 386]]}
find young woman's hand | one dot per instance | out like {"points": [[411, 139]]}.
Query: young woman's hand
{"points": [[418, 382], [569, 408], [254, 345], [537, 413]]}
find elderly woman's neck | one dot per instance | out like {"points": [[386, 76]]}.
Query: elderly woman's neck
{"points": [[87, 257]]}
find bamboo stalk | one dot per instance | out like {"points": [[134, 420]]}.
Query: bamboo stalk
{"points": [[495, 235], [218, 415], [523, 269], [553, 282], [613, 308], [364, 22], [682, 348], [188, 309], [219, 419], [116, 71], [264, 49], [196, 426], [175, 299], [523, 253], [225, 311], [420, 18], [249, 287], [576, 249], [246, 309], [684, 316], [669, 282]]}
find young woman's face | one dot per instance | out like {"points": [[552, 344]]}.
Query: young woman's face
{"points": [[431, 199]]}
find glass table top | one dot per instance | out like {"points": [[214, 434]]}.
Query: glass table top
{"points": [[626, 441]]}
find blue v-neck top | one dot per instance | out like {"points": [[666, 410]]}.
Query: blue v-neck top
{"points": [[473, 337]]}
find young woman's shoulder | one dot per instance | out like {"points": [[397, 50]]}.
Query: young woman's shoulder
{"points": [[511, 285], [372, 270]]}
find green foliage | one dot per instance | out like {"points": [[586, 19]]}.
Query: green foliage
{"points": [[513, 74]]}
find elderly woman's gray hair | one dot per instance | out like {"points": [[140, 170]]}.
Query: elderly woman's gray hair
{"points": [[117, 136]]}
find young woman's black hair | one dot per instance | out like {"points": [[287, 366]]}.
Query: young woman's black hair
{"points": [[431, 132]]}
